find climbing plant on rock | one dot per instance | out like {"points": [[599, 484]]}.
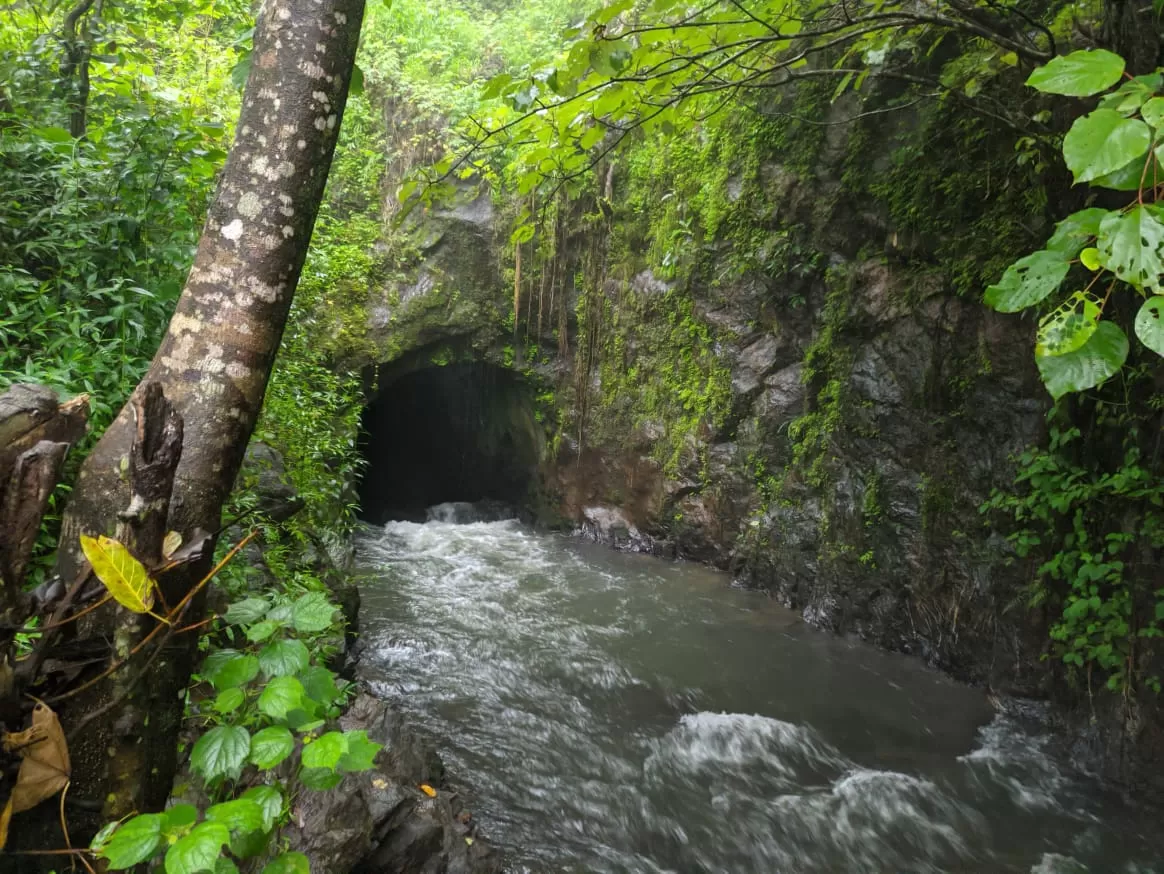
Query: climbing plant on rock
{"points": [[1119, 146]]}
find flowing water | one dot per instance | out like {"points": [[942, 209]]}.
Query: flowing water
{"points": [[607, 712]]}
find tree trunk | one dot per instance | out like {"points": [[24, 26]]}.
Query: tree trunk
{"points": [[215, 360]]}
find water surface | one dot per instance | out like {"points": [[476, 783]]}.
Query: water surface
{"points": [[617, 713]]}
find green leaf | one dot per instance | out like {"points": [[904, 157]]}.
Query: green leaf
{"points": [[199, 850], [227, 668], [1076, 231], [221, 752], [134, 841], [260, 631], [281, 658], [1028, 281], [246, 611], [1069, 327], [356, 85], [288, 863], [1150, 324], [271, 745], [179, 819], [1098, 359], [1131, 245], [1079, 74], [320, 779], [241, 71], [239, 815], [1131, 175], [325, 751], [280, 697], [312, 612], [1153, 112], [319, 685], [361, 754], [270, 799], [229, 700], [1089, 258], [225, 866], [1103, 141]]}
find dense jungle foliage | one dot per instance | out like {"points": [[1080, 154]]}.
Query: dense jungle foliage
{"points": [[115, 120]]}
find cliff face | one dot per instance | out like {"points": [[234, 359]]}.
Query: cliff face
{"points": [[763, 346]]}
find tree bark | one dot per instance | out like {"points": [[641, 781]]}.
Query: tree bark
{"points": [[215, 360]]}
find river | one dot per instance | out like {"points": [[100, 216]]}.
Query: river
{"points": [[607, 712]]}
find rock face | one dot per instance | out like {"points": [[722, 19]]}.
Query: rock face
{"points": [[380, 820]]}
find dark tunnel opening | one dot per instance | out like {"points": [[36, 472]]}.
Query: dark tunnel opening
{"points": [[460, 432]]}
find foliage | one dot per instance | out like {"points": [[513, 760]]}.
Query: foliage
{"points": [[1118, 146], [1091, 506], [261, 700]]}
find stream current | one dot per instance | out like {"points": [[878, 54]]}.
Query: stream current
{"points": [[607, 712]]}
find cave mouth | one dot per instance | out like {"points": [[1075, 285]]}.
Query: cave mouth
{"points": [[458, 432]]}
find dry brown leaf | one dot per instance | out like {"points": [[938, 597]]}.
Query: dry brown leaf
{"points": [[44, 766], [5, 815]]}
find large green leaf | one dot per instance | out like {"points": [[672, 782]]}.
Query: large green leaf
{"points": [[1153, 112], [312, 612], [1150, 324], [199, 850], [246, 611], [1098, 359], [1131, 176], [1079, 74], [283, 657], [221, 752], [227, 668], [271, 745], [1131, 245], [280, 697], [1076, 231], [1103, 141], [1028, 281], [239, 815], [325, 751], [320, 779], [134, 841]]}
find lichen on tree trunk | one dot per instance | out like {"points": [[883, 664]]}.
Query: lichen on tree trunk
{"points": [[216, 357]]}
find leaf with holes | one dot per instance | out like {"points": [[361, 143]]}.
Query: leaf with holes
{"points": [[1028, 281], [221, 752], [1103, 141], [1068, 327], [123, 575], [1131, 245], [1097, 360], [1150, 324], [1079, 74]]}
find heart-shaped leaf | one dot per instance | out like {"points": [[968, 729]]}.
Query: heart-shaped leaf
{"points": [[1103, 141], [1088, 366], [1079, 74]]}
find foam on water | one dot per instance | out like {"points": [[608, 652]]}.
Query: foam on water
{"points": [[612, 713]]}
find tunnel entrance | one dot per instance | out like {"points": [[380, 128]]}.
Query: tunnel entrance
{"points": [[461, 432]]}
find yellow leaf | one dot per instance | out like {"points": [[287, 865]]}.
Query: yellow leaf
{"points": [[428, 790], [123, 575], [1090, 258], [170, 543], [44, 765]]}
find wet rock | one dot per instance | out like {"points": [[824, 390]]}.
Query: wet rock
{"points": [[264, 475], [380, 820], [610, 526]]}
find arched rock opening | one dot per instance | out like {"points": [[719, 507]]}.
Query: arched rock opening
{"points": [[459, 432]]}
